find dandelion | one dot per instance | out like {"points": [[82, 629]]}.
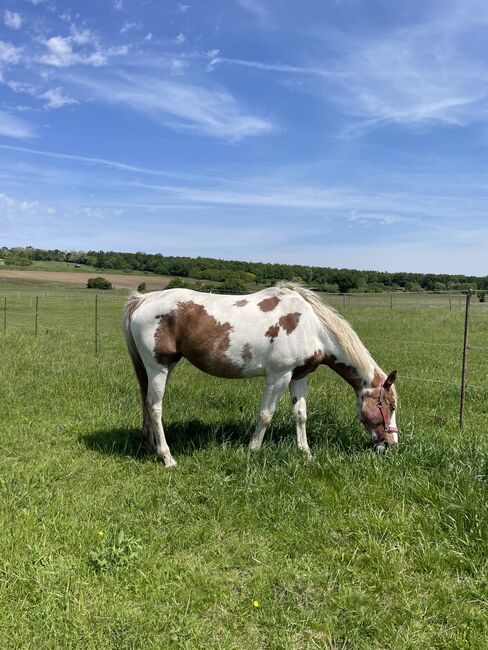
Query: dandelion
{"points": [[256, 604], [101, 533]]}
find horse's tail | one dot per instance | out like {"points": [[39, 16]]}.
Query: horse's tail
{"points": [[133, 302]]}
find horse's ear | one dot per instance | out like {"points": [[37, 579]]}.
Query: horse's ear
{"points": [[390, 380]]}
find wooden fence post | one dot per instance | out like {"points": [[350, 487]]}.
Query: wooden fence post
{"points": [[465, 359], [5, 315], [96, 325], [36, 316]]}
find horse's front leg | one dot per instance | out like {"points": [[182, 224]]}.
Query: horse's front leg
{"points": [[298, 389], [275, 387]]}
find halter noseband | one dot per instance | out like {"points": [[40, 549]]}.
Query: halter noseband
{"points": [[387, 428]]}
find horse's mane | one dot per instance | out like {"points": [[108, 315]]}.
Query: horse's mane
{"points": [[347, 338]]}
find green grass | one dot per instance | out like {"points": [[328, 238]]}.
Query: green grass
{"points": [[351, 550]]}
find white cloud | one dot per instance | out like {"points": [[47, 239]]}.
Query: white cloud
{"points": [[180, 38], [9, 53], [12, 19], [118, 4], [61, 53], [181, 106], [182, 8], [13, 127], [81, 36], [128, 26], [56, 99]]}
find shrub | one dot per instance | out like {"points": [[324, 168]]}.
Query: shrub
{"points": [[482, 296], [141, 287], [98, 283]]}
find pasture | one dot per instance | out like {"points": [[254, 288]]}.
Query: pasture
{"points": [[102, 547]]}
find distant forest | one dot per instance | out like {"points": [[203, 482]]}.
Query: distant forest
{"points": [[241, 275]]}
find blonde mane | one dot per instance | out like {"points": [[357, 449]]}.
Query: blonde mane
{"points": [[347, 338]]}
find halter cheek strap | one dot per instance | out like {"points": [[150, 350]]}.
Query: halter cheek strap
{"points": [[387, 428]]}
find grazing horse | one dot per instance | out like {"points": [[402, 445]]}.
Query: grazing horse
{"points": [[283, 333]]}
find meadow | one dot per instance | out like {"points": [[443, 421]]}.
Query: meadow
{"points": [[102, 547]]}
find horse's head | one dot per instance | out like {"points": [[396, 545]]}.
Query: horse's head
{"points": [[376, 410]]}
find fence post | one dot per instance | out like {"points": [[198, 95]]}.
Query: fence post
{"points": [[96, 325], [391, 300], [36, 316], [450, 302], [5, 315], [465, 359]]}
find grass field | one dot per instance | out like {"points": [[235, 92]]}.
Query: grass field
{"points": [[101, 547]]}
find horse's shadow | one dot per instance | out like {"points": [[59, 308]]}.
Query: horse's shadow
{"points": [[187, 437]]}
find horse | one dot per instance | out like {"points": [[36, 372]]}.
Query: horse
{"points": [[283, 333]]}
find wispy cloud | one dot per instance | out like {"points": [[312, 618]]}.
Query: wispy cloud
{"points": [[8, 202], [181, 106], [12, 19], [254, 7], [216, 59], [14, 127], [56, 99], [9, 53], [435, 71], [130, 26], [110, 164]]}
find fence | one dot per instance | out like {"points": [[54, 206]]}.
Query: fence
{"points": [[94, 320]]}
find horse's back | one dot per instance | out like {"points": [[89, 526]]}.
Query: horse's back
{"points": [[225, 335]]}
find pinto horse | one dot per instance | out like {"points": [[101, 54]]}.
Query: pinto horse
{"points": [[283, 333]]}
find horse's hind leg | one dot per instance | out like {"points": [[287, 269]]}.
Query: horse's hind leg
{"points": [[154, 403], [298, 389], [275, 386]]}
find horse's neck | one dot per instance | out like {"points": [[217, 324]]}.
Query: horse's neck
{"points": [[338, 359]]}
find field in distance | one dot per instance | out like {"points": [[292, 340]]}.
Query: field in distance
{"points": [[63, 272]]}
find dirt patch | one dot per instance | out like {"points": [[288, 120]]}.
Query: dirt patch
{"points": [[119, 281]]}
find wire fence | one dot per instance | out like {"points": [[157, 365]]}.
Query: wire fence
{"points": [[93, 320]]}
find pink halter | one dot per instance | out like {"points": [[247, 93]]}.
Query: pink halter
{"points": [[387, 428]]}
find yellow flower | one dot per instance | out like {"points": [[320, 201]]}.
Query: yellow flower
{"points": [[256, 603], [101, 533]]}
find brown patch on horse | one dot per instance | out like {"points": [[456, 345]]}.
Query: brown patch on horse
{"points": [[346, 372], [268, 304], [241, 303], [272, 332], [289, 322], [311, 364], [190, 331], [246, 353], [165, 346]]}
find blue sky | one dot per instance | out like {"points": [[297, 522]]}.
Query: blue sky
{"points": [[348, 133]]}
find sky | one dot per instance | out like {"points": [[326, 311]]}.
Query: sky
{"points": [[344, 133]]}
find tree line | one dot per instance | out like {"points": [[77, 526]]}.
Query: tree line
{"points": [[239, 275]]}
